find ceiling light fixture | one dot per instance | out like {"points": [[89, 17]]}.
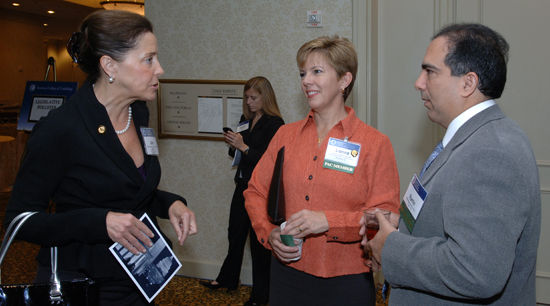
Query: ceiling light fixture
{"points": [[51, 12], [133, 6], [15, 4]]}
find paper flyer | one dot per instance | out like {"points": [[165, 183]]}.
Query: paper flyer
{"points": [[151, 271]]}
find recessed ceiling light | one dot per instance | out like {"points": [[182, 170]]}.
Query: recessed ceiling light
{"points": [[45, 24], [15, 4], [51, 12]]}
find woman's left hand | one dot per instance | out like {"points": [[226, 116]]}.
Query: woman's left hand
{"points": [[306, 222], [183, 221]]}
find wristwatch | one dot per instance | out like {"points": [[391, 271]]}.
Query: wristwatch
{"points": [[246, 150]]}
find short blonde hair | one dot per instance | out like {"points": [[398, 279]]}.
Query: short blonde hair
{"points": [[269, 101], [339, 52]]}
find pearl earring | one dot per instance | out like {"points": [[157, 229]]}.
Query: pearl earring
{"points": [[343, 90], [111, 80]]}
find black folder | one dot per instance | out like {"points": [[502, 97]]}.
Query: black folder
{"points": [[276, 197]]}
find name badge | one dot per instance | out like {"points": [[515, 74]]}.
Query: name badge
{"points": [[243, 126], [412, 203], [342, 155], [149, 141]]}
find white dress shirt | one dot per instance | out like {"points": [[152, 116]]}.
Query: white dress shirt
{"points": [[462, 118]]}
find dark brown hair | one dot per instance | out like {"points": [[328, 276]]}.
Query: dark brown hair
{"points": [[106, 32], [476, 48]]}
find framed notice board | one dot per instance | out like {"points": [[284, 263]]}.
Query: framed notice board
{"points": [[198, 109]]}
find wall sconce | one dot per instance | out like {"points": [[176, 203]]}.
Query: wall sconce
{"points": [[129, 5]]}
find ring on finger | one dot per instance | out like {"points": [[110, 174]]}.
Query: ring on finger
{"points": [[299, 229]]}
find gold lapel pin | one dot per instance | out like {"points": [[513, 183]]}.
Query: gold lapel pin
{"points": [[101, 129]]}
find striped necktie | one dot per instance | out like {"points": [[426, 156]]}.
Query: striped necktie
{"points": [[432, 157]]}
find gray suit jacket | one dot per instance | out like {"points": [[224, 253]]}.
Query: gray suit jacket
{"points": [[475, 240]]}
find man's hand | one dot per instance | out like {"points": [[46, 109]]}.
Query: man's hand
{"points": [[377, 243]]}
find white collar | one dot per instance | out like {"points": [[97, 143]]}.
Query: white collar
{"points": [[465, 116]]}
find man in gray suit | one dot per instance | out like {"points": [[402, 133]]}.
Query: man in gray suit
{"points": [[473, 238]]}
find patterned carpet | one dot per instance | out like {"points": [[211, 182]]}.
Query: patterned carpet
{"points": [[19, 266]]}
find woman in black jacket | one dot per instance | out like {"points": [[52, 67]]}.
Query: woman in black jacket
{"points": [[260, 121], [89, 158]]}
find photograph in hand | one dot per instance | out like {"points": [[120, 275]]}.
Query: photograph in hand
{"points": [[151, 271]]}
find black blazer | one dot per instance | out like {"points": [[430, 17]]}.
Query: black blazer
{"points": [[257, 140], [87, 174]]}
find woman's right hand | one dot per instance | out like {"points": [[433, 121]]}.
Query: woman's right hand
{"points": [[126, 230], [235, 140], [283, 252]]}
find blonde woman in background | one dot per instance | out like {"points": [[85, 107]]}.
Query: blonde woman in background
{"points": [[260, 121]]}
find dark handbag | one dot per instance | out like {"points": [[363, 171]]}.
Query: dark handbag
{"points": [[79, 292]]}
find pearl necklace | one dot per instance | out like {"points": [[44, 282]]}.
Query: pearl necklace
{"points": [[128, 124]]}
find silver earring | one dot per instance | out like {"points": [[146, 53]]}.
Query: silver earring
{"points": [[111, 80]]}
